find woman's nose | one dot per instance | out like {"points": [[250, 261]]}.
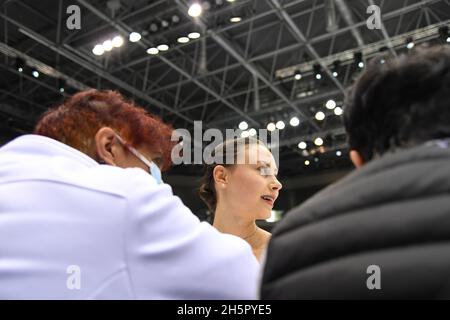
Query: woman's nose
{"points": [[276, 185]]}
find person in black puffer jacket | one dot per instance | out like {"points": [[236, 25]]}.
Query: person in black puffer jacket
{"points": [[382, 232]]}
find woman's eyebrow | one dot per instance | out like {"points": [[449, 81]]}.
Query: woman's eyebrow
{"points": [[267, 164]]}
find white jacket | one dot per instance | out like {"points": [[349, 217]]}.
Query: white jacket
{"points": [[73, 229]]}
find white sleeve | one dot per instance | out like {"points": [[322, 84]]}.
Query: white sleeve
{"points": [[172, 255]]}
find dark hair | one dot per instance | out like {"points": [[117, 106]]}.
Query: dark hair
{"points": [[78, 119], [227, 149], [401, 103]]}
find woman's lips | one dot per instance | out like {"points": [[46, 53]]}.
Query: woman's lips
{"points": [[269, 201]]}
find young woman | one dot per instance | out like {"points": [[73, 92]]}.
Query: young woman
{"points": [[242, 190]]}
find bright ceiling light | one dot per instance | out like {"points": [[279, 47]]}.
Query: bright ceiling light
{"points": [[35, 74], [61, 85], [20, 64], [339, 153], [117, 41], [243, 125], [298, 76], [271, 127], [163, 47], [280, 125], [338, 111], [194, 35], [307, 163], [98, 50], [410, 43], [320, 116], [108, 45], [135, 37], [244, 134], [318, 142], [302, 145], [294, 121], [358, 57], [317, 71], [195, 10], [336, 68], [152, 51], [252, 132], [183, 40], [331, 104], [236, 19]]}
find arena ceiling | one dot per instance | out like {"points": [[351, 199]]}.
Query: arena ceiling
{"points": [[262, 68]]}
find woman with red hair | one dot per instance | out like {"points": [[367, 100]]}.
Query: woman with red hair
{"points": [[80, 219], [92, 120]]}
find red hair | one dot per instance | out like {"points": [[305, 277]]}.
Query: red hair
{"points": [[78, 119]]}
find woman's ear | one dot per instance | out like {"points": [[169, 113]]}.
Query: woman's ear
{"points": [[220, 175], [105, 145], [356, 158]]}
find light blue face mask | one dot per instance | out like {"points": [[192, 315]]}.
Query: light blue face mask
{"points": [[152, 167], [156, 172]]}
